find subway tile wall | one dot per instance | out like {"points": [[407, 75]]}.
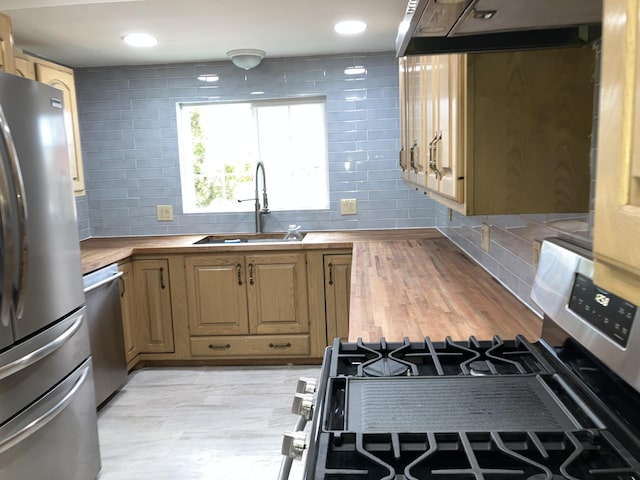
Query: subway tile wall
{"points": [[130, 144]]}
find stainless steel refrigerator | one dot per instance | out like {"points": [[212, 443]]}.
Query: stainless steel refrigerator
{"points": [[48, 426]]}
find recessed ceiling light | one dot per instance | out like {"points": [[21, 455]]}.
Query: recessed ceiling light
{"points": [[140, 40], [350, 27]]}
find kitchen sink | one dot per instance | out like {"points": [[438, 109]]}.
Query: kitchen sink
{"points": [[229, 239]]}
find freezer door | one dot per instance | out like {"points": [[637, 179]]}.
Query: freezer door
{"points": [[55, 437], [31, 368], [47, 278]]}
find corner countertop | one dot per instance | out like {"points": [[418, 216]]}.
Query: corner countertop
{"points": [[98, 252]]}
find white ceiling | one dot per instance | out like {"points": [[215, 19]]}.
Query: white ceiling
{"points": [[82, 33]]}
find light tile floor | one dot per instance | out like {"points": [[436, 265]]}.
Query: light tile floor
{"points": [[200, 423]]}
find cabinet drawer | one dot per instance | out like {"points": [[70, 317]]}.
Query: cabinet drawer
{"points": [[250, 346]]}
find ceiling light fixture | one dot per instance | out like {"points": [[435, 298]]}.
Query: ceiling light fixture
{"points": [[350, 27], [246, 58], [140, 40]]}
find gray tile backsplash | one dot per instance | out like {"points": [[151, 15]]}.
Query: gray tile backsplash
{"points": [[130, 143]]}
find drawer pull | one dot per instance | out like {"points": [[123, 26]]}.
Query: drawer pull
{"points": [[219, 347], [280, 345]]}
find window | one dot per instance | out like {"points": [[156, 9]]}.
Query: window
{"points": [[221, 143]]}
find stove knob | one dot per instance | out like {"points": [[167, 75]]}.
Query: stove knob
{"points": [[303, 405], [306, 385], [294, 444]]}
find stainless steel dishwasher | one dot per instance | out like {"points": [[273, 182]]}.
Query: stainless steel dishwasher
{"points": [[106, 337]]}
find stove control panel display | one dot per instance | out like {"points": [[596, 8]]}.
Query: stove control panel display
{"points": [[609, 313]]}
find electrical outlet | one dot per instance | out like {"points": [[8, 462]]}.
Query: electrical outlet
{"points": [[485, 241], [164, 213], [348, 206], [537, 245]]}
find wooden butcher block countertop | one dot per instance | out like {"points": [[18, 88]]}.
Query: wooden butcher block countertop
{"points": [[411, 283]]}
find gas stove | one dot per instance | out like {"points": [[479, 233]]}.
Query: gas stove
{"points": [[484, 409]]}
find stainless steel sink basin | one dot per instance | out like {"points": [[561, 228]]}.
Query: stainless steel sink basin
{"points": [[230, 239]]}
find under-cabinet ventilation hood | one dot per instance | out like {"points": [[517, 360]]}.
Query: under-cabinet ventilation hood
{"points": [[449, 26]]}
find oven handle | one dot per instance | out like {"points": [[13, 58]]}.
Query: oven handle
{"points": [[285, 466]]}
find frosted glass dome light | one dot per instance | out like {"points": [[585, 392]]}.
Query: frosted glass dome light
{"points": [[246, 58]]}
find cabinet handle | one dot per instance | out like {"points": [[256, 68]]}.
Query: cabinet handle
{"points": [[331, 274], [219, 347], [412, 157], [433, 157], [162, 285], [123, 287], [239, 270], [400, 155], [280, 345], [251, 282]]}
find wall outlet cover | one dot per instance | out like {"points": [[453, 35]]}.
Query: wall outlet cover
{"points": [[348, 206], [164, 213]]}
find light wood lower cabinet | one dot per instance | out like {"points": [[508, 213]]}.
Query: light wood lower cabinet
{"points": [[337, 287], [250, 346], [127, 305], [153, 305], [261, 295]]}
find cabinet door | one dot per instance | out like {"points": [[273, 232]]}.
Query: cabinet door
{"points": [[127, 297], [337, 292], [416, 169], [446, 143], [404, 118], [62, 79], [277, 293], [617, 209], [153, 291], [25, 67], [217, 295], [7, 60]]}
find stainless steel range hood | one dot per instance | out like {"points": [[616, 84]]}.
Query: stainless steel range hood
{"points": [[447, 26]]}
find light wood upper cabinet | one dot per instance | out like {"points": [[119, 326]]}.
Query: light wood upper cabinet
{"points": [[7, 59], [511, 131], [404, 117], [25, 66], [617, 203], [62, 78], [337, 287], [153, 305]]}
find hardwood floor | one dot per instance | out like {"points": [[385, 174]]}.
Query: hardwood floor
{"points": [[429, 287]]}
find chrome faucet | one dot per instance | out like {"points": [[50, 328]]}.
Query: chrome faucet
{"points": [[264, 209]]}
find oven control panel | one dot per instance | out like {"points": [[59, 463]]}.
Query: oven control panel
{"points": [[607, 312]]}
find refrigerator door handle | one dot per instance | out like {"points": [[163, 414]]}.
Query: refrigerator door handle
{"points": [[33, 425], [38, 354], [21, 201], [7, 241]]}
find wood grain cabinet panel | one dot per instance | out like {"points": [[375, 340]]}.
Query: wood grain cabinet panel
{"points": [[153, 302], [337, 287], [127, 306], [261, 295], [7, 58], [217, 295], [25, 66], [62, 78], [510, 132], [617, 202]]}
